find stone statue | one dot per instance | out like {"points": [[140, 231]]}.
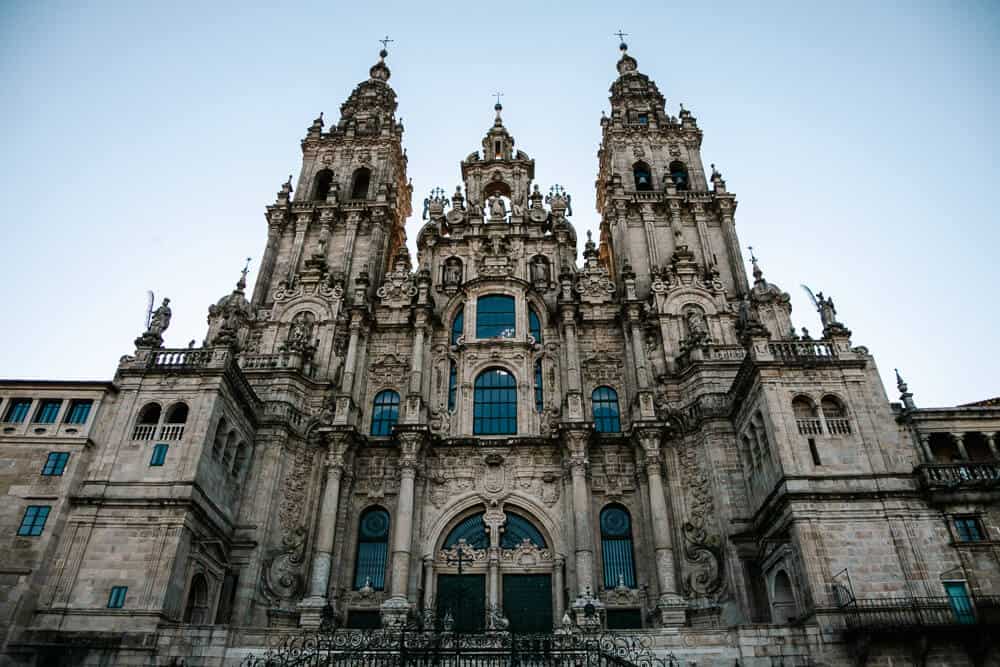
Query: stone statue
{"points": [[539, 270], [697, 328], [324, 238], [827, 311], [498, 210], [427, 205], [452, 272], [160, 319]]}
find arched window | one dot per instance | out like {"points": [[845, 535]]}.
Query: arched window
{"points": [[458, 326], [240, 460], [373, 549], [471, 529], [539, 392], [177, 414], [607, 417], [495, 316], [517, 529], [679, 175], [835, 416], [150, 413], [643, 176], [324, 179], [452, 384], [227, 455], [359, 184], [760, 432], [805, 416], [219, 445], [534, 325], [616, 547], [385, 412], [196, 610], [495, 403]]}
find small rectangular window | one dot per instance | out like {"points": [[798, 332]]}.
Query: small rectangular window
{"points": [[79, 410], [117, 598], [17, 410], [814, 452], [159, 455], [34, 519], [969, 529], [643, 119], [48, 410], [55, 464]]}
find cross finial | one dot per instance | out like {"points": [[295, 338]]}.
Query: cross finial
{"points": [[385, 41], [498, 95], [621, 35], [752, 258]]}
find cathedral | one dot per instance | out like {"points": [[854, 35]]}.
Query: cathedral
{"points": [[497, 438]]}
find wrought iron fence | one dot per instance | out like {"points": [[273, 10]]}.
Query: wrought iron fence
{"points": [[405, 647], [921, 612]]}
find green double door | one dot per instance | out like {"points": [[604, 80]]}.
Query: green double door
{"points": [[527, 602], [463, 596]]}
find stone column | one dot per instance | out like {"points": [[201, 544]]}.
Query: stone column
{"points": [[558, 585], [991, 441], [429, 582], [397, 607], [671, 606], [576, 442], [925, 447], [959, 439], [311, 608]]}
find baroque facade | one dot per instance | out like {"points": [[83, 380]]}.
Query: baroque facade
{"points": [[643, 443]]}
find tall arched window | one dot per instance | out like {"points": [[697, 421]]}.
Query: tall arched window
{"points": [[150, 414], [385, 412], [495, 403], [452, 384], [177, 414], [359, 184], [324, 179], [643, 176], [240, 460], [539, 392], [679, 175], [196, 610], [219, 445], [457, 326], [835, 416], [607, 416], [616, 547], [534, 325], [373, 549], [495, 316], [227, 455]]}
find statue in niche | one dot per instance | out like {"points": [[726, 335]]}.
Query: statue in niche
{"points": [[324, 239], [160, 319], [697, 328], [540, 272], [498, 210], [452, 272], [300, 331]]}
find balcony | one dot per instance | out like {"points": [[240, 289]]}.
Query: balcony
{"points": [[964, 475], [921, 614], [803, 351], [809, 426]]}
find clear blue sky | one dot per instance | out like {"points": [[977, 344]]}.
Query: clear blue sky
{"points": [[142, 141]]}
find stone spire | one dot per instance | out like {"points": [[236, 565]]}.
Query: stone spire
{"points": [[905, 395]]}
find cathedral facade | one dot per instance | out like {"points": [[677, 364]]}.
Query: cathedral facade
{"points": [[493, 434]]}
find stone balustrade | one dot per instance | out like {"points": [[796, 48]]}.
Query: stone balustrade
{"points": [[811, 351], [964, 474], [838, 426], [144, 432], [180, 358], [289, 360], [727, 352], [171, 432], [810, 426]]}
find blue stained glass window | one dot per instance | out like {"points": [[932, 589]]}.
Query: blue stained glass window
{"points": [[79, 410], [17, 410], [472, 530], [616, 547], [539, 393], [457, 326], [607, 417], [385, 412], [33, 522], [495, 316], [452, 384], [159, 454], [116, 600], [373, 549], [495, 403], [55, 464], [534, 325], [48, 411], [517, 530]]}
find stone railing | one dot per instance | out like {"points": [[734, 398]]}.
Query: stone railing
{"points": [[963, 474], [171, 432], [838, 426], [727, 352], [289, 360], [809, 426], [811, 351], [901, 613], [181, 358], [144, 432]]}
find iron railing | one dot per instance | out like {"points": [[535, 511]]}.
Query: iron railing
{"points": [[901, 613]]}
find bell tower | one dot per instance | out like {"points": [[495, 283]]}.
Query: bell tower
{"points": [[657, 205]]}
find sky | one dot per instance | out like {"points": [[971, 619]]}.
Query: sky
{"points": [[142, 142]]}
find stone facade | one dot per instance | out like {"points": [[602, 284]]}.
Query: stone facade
{"points": [[646, 434]]}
